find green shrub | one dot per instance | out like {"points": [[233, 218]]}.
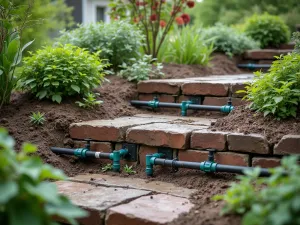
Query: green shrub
{"points": [[270, 31], [229, 40], [27, 197], [186, 46], [266, 201], [61, 71], [278, 91], [296, 39], [141, 69], [118, 41]]}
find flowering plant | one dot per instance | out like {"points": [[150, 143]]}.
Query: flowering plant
{"points": [[153, 17]]}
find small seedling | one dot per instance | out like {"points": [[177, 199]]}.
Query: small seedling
{"points": [[129, 170], [37, 118], [107, 167], [89, 101]]}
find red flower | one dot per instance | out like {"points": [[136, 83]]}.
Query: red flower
{"points": [[179, 21], [136, 20], [190, 4], [154, 7], [186, 18], [137, 3], [162, 23], [153, 17]]}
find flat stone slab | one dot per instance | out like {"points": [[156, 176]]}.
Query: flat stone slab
{"points": [[97, 199], [135, 183], [149, 210], [167, 86], [289, 144], [265, 53], [162, 134], [108, 130]]}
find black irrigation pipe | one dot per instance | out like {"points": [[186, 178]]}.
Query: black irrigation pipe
{"points": [[254, 66]]}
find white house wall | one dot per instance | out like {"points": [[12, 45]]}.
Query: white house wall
{"points": [[89, 8]]}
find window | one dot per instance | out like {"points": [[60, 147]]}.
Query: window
{"points": [[100, 13]]}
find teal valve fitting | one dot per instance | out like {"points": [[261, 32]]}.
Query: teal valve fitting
{"points": [[184, 107], [149, 165], [80, 152], [116, 161], [208, 166], [123, 152], [154, 103], [226, 108]]}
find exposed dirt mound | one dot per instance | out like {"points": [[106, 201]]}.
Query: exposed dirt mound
{"points": [[246, 121]]}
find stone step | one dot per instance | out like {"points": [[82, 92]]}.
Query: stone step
{"points": [[219, 86], [188, 137], [263, 54], [116, 200]]}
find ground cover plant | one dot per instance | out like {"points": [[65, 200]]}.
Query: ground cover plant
{"points": [[277, 92], [57, 72], [118, 41], [27, 197], [269, 30], [37, 118], [187, 45], [141, 69], [151, 17], [266, 201], [13, 21], [296, 39], [230, 41]]}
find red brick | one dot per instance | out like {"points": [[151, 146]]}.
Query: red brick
{"points": [[143, 151], [183, 98], [288, 46], [171, 86], [289, 144], [205, 88], [238, 87], [264, 53], [108, 130], [229, 158], [220, 101], [161, 134], [265, 162], [192, 155], [161, 98], [253, 143], [203, 139], [155, 210]]}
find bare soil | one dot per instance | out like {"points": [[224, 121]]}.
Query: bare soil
{"points": [[116, 95]]}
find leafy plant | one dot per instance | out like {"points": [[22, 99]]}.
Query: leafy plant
{"points": [[129, 169], [56, 72], [89, 101], [270, 31], [266, 201], [151, 17], [27, 197], [37, 118], [229, 41], [187, 45], [107, 167], [10, 46], [296, 39], [118, 41], [278, 91], [141, 69]]}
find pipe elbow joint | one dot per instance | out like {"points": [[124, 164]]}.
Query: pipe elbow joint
{"points": [[226, 108], [116, 161], [208, 166]]}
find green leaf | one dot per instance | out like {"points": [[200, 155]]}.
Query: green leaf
{"points": [[26, 45], [278, 99], [29, 148], [12, 50], [75, 88], [8, 190], [1, 72], [42, 94], [56, 98]]}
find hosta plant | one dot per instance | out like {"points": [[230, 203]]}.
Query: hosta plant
{"points": [[57, 72], [274, 200], [141, 69], [27, 195], [152, 16], [277, 92]]}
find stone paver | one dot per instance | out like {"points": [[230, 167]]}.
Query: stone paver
{"points": [[149, 210], [253, 143], [134, 183], [289, 144], [162, 134], [96, 199], [108, 130]]}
